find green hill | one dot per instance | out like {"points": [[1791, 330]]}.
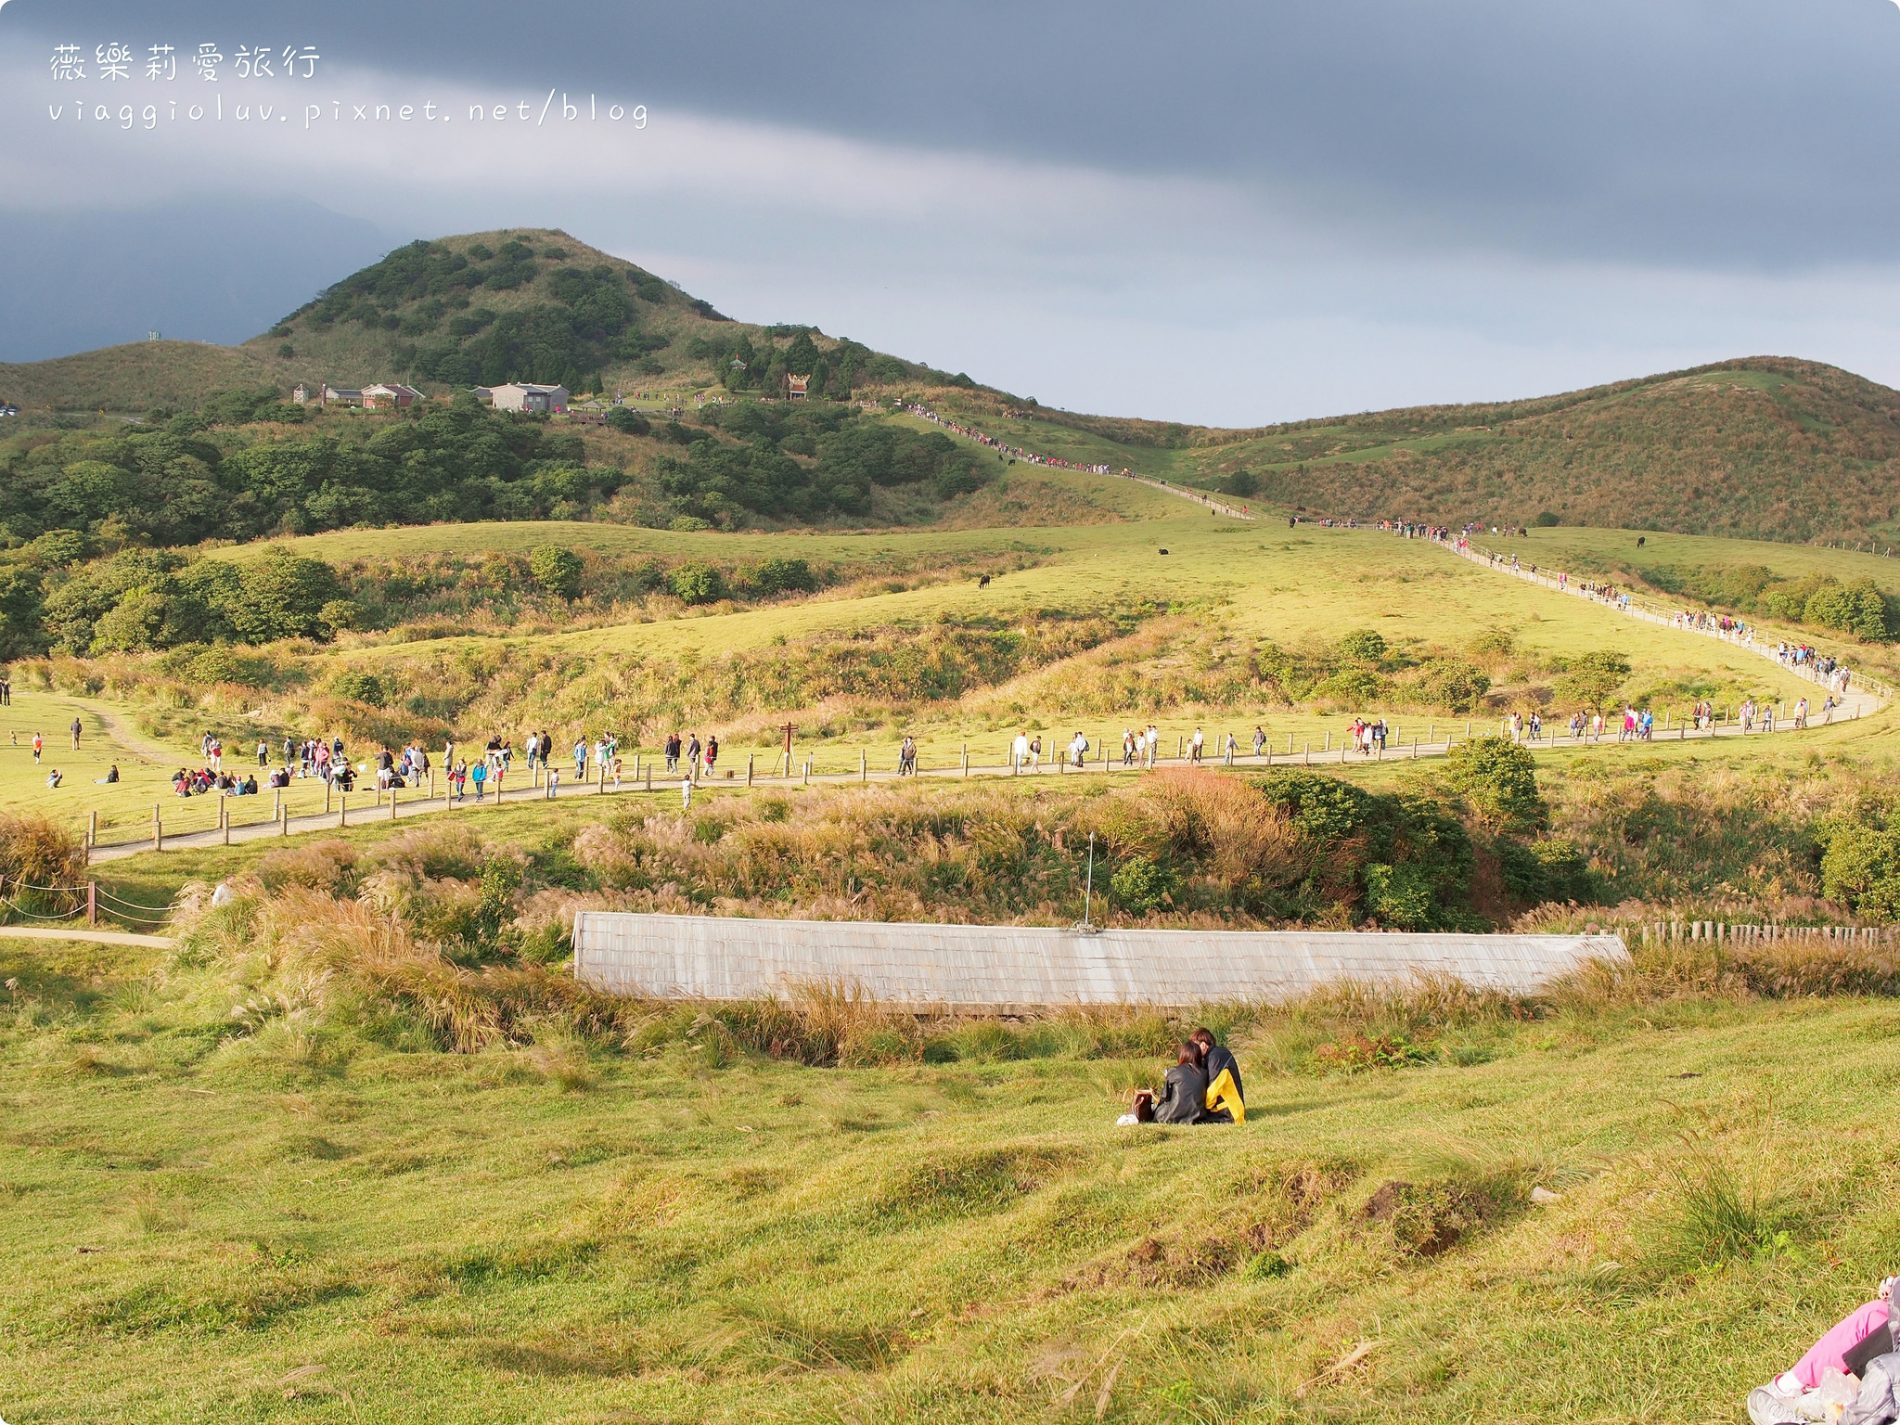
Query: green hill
{"points": [[135, 377], [1766, 447], [536, 305]]}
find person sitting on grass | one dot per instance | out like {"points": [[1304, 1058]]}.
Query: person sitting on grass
{"points": [[1218, 1064], [53, 780], [1847, 1346], [1183, 1096], [110, 777]]}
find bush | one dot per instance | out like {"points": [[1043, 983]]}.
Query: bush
{"points": [[226, 665], [1861, 869], [1400, 896], [1592, 680], [1456, 687], [361, 687], [1142, 886], [1323, 807], [1363, 646], [784, 576], [1549, 870], [1498, 779], [556, 571], [628, 421], [339, 616], [697, 584]]}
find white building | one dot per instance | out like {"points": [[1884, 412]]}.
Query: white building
{"points": [[524, 396]]}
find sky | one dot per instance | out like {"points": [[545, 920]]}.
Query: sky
{"points": [[1215, 212]]}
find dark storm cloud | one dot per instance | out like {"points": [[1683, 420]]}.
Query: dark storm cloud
{"points": [[1751, 133]]}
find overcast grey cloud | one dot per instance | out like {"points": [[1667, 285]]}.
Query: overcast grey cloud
{"points": [[1210, 211]]}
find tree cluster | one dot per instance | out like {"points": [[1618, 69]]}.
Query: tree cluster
{"points": [[191, 478]]}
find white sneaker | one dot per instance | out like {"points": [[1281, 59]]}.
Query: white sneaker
{"points": [[1771, 1405]]}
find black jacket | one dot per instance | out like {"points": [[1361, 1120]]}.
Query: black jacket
{"points": [[1184, 1096]]}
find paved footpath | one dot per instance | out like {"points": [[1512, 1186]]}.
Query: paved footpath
{"points": [[1863, 696]]}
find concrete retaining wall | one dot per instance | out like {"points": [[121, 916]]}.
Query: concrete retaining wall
{"points": [[982, 969]]}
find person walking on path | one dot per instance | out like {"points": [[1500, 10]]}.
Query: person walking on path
{"points": [[686, 792], [1195, 745], [478, 774], [76, 729]]}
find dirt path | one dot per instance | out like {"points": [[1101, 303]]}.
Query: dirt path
{"points": [[88, 937], [121, 731]]}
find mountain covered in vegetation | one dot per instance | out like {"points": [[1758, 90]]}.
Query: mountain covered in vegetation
{"points": [[1767, 447]]}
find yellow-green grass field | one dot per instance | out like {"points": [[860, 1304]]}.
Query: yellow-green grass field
{"points": [[1245, 583], [218, 1206]]}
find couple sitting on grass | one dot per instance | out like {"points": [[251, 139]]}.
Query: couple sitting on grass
{"points": [[1202, 1087], [1852, 1374]]}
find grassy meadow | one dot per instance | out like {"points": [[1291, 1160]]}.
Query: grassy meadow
{"points": [[234, 1189], [1100, 632], [359, 1148]]}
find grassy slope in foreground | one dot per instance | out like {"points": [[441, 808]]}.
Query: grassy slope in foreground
{"points": [[211, 1221]]}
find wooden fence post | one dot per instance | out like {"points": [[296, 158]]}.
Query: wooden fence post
{"points": [[283, 821], [864, 766], [224, 820], [966, 759], [92, 829], [748, 769], [392, 803], [92, 902]]}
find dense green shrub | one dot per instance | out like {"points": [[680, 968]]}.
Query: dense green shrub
{"points": [[1498, 778], [1860, 867], [1592, 680], [1140, 886], [697, 583], [557, 570]]}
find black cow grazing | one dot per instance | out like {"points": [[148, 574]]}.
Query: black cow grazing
{"points": [[984, 582], [1164, 551], [1641, 540]]}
